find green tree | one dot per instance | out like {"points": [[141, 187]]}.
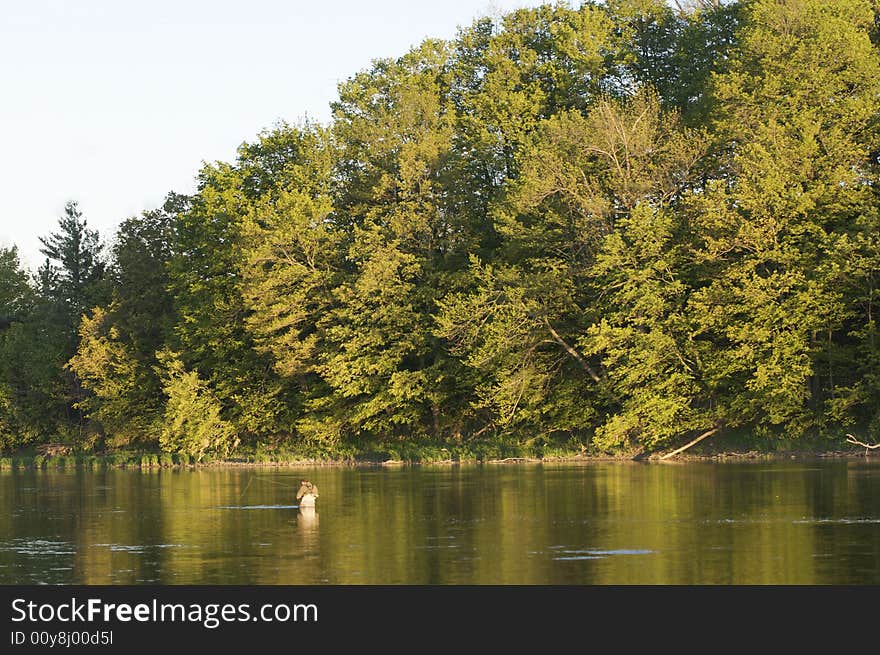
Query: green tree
{"points": [[70, 282], [509, 75], [19, 423], [786, 228], [115, 378], [210, 329], [16, 293], [578, 324], [395, 123], [139, 278], [116, 354], [673, 48], [74, 268], [192, 422]]}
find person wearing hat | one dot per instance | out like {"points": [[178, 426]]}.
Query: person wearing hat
{"points": [[307, 494]]}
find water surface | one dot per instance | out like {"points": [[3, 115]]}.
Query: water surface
{"points": [[798, 522]]}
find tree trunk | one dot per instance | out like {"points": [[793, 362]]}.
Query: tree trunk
{"points": [[571, 351], [692, 443], [867, 446]]}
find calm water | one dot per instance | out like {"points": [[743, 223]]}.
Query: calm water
{"points": [[797, 522]]}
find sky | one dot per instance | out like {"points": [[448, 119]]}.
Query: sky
{"points": [[114, 103]]}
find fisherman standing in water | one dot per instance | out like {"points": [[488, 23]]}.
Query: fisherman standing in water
{"points": [[306, 494]]}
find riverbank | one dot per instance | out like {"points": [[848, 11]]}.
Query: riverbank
{"points": [[142, 460]]}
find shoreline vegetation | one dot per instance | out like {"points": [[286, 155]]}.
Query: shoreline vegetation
{"points": [[631, 229], [152, 460]]}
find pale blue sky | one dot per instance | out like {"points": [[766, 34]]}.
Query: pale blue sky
{"points": [[113, 103]]}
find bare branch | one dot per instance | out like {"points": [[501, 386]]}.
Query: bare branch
{"points": [[571, 351], [851, 439], [692, 443]]}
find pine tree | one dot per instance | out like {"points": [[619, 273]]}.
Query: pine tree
{"points": [[74, 268]]}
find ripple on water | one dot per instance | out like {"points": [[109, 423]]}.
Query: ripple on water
{"points": [[256, 507], [742, 521], [136, 548], [564, 553], [23, 546], [441, 542], [437, 547], [844, 520]]}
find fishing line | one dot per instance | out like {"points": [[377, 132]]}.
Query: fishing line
{"points": [[281, 484], [254, 475], [246, 486]]}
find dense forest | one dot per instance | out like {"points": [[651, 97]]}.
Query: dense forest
{"points": [[611, 228]]}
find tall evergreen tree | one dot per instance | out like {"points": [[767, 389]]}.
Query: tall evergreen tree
{"points": [[74, 268]]}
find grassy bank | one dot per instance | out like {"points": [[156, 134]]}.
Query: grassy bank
{"points": [[731, 446], [128, 459], [366, 454]]}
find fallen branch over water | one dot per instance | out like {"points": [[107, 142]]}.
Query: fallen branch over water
{"points": [[868, 446], [692, 443]]}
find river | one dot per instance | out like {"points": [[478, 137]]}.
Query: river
{"points": [[609, 523]]}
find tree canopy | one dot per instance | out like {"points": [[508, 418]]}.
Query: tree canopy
{"points": [[613, 227]]}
